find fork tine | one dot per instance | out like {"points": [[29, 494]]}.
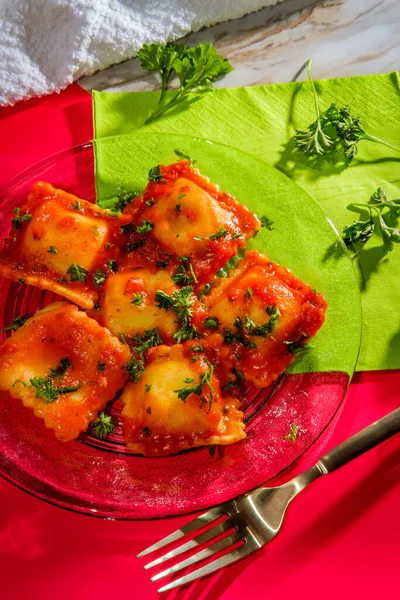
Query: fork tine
{"points": [[219, 563], [200, 539], [206, 553], [197, 523]]}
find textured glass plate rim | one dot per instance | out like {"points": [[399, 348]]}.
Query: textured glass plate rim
{"points": [[30, 171]]}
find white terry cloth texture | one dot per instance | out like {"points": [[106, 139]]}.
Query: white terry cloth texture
{"points": [[47, 44]]}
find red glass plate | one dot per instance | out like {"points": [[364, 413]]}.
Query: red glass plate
{"points": [[103, 478]]}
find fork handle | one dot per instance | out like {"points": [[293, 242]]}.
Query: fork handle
{"points": [[358, 444]]}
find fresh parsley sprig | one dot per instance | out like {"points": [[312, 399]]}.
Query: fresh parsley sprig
{"points": [[334, 129], [383, 208], [196, 68]]}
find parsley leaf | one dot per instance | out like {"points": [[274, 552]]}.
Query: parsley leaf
{"points": [[101, 367], [155, 174], [137, 299], [99, 277], [292, 435], [222, 232], [211, 323], [17, 323], [19, 219], [266, 222], [205, 379], [196, 68], [52, 250], [181, 303], [139, 345], [184, 273], [77, 273], [145, 227], [76, 206], [124, 198], [102, 426], [112, 265], [182, 154], [44, 386], [336, 128], [383, 208]]}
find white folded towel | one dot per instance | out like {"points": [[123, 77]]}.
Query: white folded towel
{"points": [[47, 44]]}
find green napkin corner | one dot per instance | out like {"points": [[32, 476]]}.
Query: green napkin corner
{"points": [[261, 121]]}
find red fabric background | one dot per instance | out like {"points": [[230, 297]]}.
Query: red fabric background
{"points": [[340, 537]]}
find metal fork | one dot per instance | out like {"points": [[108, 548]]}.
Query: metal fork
{"points": [[247, 523]]}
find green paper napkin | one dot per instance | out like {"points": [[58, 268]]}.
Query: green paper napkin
{"points": [[261, 121]]}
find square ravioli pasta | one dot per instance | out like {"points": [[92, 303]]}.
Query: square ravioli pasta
{"points": [[64, 366], [263, 312], [177, 404], [61, 243], [185, 215]]}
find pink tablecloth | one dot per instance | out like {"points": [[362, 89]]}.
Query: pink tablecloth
{"points": [[340, 538]]}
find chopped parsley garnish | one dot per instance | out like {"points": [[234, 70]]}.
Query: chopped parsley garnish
{"points": [[222, 232], [178, 207], [147, 387], [149, 203], [211, 323], [249, 293], [52, 250], [137, 299], [182, 154], [17, 323], [128, 228], [77, 273], [133, 246], [76, 206], [44, 386], [135, 369], [112, 265], [181, 303], [102, 426], [145, 227], [181, 196], [99, 277], [19, 219], [266, 222], [139, 345], [197, 348], [292, 435], [101, 367], [155, 174], [124, 198], [297, 345], [62, 367], [204, 380], [184, 273]]}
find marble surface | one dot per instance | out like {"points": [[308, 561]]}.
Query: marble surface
{"points": [[345, 37]]}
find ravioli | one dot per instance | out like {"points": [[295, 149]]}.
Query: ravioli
{"points": [[158, 420], [57, 350], [264, 313], [58, 242], [191, 217], [128, 303]]}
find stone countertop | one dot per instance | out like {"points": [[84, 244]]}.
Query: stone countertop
{"points": [[345, 37]]}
